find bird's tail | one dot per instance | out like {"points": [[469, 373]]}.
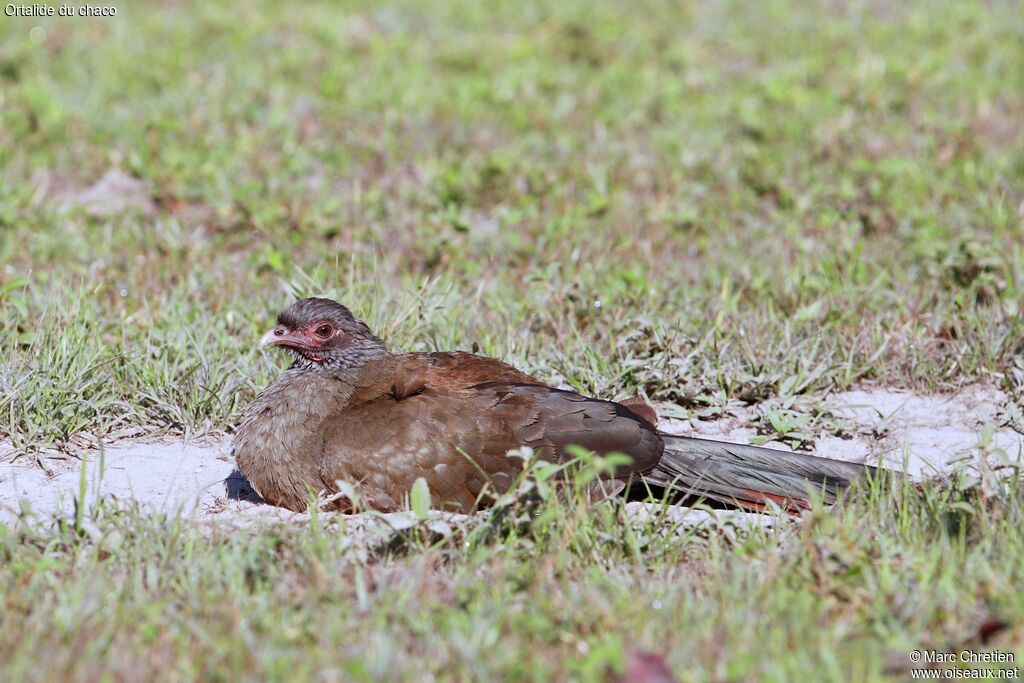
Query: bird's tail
{"points": [[749, 476]]}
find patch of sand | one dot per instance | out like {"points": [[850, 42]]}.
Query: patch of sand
{"points": [[929, 435], [925, 435]]}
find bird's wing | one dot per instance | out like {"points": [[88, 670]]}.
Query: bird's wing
{"points": [[552, 419], [428, 420], [509, 409]]}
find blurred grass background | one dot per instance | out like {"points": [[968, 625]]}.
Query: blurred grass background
{"points": [[764, 198]]}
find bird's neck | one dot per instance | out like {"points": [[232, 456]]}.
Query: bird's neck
{"points": [[340, 362]]}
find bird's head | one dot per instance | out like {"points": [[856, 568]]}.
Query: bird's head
{"points": [[323, 335]]}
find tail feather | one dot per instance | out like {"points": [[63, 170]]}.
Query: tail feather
{"points": [[749, 476]]}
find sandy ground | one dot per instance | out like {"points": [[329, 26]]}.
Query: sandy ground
{"points": [[925, 435]]}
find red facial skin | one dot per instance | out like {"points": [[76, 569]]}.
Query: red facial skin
{"points": [[305, 340]]}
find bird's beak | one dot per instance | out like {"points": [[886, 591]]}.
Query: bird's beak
{"points": [[281, 336]]}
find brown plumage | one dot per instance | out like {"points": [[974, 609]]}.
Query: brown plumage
{"points": [[348, 409]]}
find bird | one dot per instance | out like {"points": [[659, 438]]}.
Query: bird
{"points": [[348, 409]]}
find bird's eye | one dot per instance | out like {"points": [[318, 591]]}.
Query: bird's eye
{"points": [[324, 331]]}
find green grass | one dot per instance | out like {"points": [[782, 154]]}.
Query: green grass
{"points": [[769, 201], [845, 595]]}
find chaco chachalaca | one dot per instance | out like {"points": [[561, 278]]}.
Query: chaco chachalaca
{"points": [[348, 409]]}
